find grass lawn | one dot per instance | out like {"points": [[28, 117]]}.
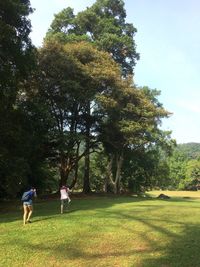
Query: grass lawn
{"points": [[105, 231]]}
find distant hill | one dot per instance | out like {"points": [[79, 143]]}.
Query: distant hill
{"points": [[190, 150]]}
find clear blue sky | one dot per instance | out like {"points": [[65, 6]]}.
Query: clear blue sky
{"points": [[168, 41]]}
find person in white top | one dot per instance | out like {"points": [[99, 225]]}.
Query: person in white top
{"points": [[64, 197]]}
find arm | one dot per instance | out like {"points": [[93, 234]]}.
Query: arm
{"points": [[34, 192]]}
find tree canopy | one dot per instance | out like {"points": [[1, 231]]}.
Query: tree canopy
{"points": [[70, 108], [103, 24], [16, 62]]}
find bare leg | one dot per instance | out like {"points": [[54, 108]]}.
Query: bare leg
{"points": [[30, 208], [61, 208], [25, 213]]}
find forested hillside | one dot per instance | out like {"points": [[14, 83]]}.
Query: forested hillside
{"points": [[190, 150]]}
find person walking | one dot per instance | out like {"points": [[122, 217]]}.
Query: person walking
{"points": [[27, 200], [64, 197]]}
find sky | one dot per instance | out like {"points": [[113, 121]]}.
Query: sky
{"points": [[168, 42]]}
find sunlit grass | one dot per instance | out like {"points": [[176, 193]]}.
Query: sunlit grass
{"points": [[101, 231], [181, 194]]}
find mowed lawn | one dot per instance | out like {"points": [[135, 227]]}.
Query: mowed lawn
{"points": [[105, 231]]}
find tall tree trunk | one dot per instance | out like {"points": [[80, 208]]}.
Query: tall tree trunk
{"points": [[115, 181], [74, 181], [86, 178], [63, 176], [109, 176], [105, 187], [119, 162], [86, 181], [64, 171]]}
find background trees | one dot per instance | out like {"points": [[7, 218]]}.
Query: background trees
{"points": [[16, 48], [131, 124], [69, 76], [104, 25], [184, 167], [77, 111], [16, 62]]}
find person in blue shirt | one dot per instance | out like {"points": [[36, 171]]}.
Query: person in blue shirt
{"points": [[28, 205]]}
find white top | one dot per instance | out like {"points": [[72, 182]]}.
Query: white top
{"points": [[64, 193]]}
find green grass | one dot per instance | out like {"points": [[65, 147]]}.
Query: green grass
{"points": [[104, 231]]}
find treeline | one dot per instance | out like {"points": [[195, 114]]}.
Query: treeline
{"points": [[70, 112], [185, 167], [181, 170], [190, 150]]}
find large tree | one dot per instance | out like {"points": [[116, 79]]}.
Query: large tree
{"points": [[16, 60], [68, 76], [111, 32], [103, 24], [15, 48], [132, 121]]}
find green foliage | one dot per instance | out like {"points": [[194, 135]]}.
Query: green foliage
{"points": [[132, 122], [63, 22], [132, 117], [98, 171], [190, 150], [144, 169], [177, 165], [15, 47], [69, 75], [77, 97], [132, 114], [192, 180], [17, 61], [104, 25], [184, 164]]}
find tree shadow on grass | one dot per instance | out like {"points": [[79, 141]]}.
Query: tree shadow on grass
{"points": [[13, 211], [42, 209], [49, 217], [183, 251]]}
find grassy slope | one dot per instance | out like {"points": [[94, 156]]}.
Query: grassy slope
{"points": [[123, 231]]}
